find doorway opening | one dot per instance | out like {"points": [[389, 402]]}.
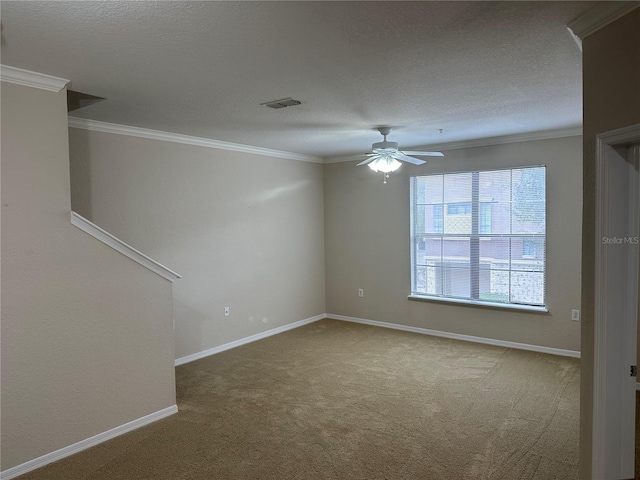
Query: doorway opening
{"points": [[616, 301]]}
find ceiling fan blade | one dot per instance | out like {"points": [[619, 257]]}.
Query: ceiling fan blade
{"points": [[424, 154], [405, 158], [368, 160]]}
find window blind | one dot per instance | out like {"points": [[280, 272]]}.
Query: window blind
{"points": [[480, 236]]}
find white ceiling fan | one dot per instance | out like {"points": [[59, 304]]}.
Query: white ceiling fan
{"points": [[385, 156]]}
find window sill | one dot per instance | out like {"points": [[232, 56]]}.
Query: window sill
{"points": [[471, 303]]}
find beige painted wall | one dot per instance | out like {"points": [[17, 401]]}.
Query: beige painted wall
{"points": [[87, 341], [244, 230], [368, 245], [611, 98]]}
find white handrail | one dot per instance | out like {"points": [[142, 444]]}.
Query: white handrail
{"points": [[117, 244]]}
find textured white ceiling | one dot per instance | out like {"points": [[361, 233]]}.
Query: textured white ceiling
{"points": [[473, 69]]}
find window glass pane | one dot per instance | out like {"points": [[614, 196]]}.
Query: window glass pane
{"points": [[494, 189], [457, 204], [494, 285], [494, 253], [432, 249], [528, 200], [427, 219], [429, 189], [418, 250], [419, 219], [456, 248], [495, 260], [428, 258], [485, 218], [457, 224], [437, 224], [420, 280], [459, 208], [531, 248], [456, 265], [456, 279], [432, 280], [419, 190], [527, 287], [457, 187]]}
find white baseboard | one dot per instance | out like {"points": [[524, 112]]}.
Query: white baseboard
{"points": [[406, 328], [243, 341], [86, 443], [458, 336]]}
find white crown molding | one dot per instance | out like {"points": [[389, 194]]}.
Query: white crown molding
{"points": [[600, 16], [458, 336], [245, 340], [31, 79], [575, 38], [342, 159], [117, 129], [482, 142], [117, 244], [86, 443]]}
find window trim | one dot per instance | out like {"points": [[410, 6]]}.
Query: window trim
{"points": [[473, 302], [480, 303]]}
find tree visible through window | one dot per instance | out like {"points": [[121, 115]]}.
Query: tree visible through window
{"points": [[480, 236]]}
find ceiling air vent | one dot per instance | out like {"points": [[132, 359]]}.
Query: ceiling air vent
{"points": [[285, 102]]}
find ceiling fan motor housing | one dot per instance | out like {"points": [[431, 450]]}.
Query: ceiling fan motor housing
{"points": [[382, 146]]}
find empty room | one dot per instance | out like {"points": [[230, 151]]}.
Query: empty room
{"points": [[319, 239]]}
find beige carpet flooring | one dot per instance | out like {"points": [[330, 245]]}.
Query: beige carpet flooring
{"points": [[336, 400]]}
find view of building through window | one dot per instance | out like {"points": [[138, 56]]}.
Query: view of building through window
{"points": [[480, 236]]}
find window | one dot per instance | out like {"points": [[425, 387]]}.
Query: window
{"points": [[480, 236]]}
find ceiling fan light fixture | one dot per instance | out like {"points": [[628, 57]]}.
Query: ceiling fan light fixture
{"points": [[385, 164]]}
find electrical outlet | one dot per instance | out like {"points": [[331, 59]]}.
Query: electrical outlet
{"points": [[360, 292], [226, 311], [575, 315]]}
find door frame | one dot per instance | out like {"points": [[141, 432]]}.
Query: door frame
{"points": [[615, 308]]}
